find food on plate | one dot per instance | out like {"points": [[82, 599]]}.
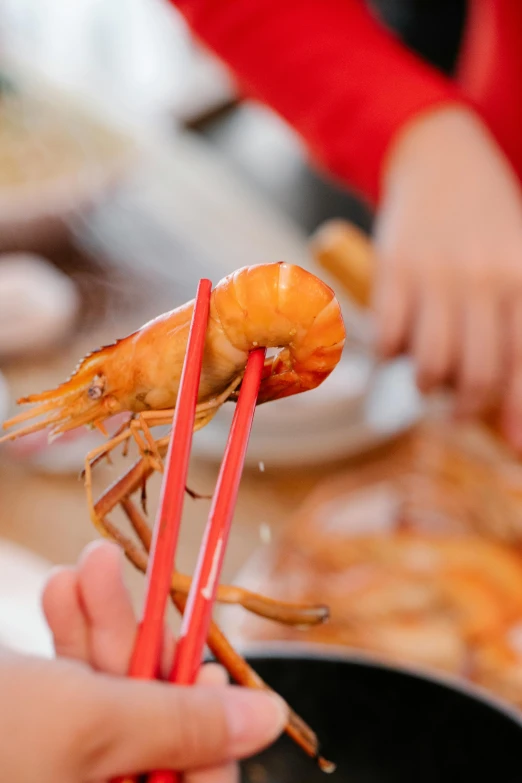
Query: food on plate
{"points": [[45, 138], [418, 557]]}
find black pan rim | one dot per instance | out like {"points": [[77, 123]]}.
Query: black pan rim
{"points": [[338, 654]]}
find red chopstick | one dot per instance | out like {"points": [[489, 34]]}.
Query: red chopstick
{"points": [[198, 613], [145, 661]]}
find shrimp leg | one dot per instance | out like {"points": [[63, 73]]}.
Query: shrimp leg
{"points": [[223, 651], [99, 523], [219, 645], [205, 411], [159, 448], [269, 608], [119, 493], [150, 449], [143, 421]]}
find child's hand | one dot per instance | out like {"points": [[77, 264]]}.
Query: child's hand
{"points": [[449, 238], [68, 721]]}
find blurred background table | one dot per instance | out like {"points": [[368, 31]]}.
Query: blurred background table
{"points": [[210, 184], [184, 209]]}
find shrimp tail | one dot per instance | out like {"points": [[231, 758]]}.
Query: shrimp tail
{"points": [[282, 378], [285, 307]]}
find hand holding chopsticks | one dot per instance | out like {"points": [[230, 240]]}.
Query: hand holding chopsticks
{"points": [[102, 729], [196, 622], [275, 305]]}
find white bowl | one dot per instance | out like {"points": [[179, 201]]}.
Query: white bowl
{"points": [[36, 211]]}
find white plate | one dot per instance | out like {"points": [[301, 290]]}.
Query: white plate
{"points": [[22, 623], [359, 407]]}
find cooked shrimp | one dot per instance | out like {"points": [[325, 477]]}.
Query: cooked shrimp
{"points": [[271, 305]]}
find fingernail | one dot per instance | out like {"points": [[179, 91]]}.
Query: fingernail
{"points": [[99, 544], [255, 719], [58, 569], [213, 674], [92, 546]]}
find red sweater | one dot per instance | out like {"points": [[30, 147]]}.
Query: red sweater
{"points": [[347, 85]]}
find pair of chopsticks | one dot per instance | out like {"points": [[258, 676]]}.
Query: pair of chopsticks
{"points": [[145, 661]]}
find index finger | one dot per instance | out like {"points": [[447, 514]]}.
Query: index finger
{"points": [[107, 607]]}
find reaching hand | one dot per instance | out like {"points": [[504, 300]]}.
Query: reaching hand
{"points": [[449, 241]]}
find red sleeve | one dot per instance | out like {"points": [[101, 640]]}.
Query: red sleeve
{"points": [[330, 69], [490, 70]]}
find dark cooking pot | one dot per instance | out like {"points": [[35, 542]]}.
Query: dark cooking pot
{"points": [[384, 725]]}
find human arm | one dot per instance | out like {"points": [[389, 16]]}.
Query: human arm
{"points": [[429, 152]]}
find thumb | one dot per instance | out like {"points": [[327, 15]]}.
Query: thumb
{"points": [[138, 726]]}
